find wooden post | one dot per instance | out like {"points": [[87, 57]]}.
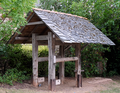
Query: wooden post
{"points": [[35, 59], [78, 66], [76, 63], [51, 60], [61, 65]]}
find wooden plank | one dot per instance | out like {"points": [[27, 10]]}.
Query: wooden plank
{"points": [[36, 23], [41, 59], [61, 65], [51, 65], [42, 37], [79, 60], [76, 63], [57, 42], [22, 28], [79, 80], [49, 57], [35, 60], [78, 67], [53, 57], [22, 38], [31, 33], [66, 59]]}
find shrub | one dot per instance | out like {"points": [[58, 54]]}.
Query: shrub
{"points": [[13, 75]]}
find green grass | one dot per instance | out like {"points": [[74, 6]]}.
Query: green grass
{"points": [[112, 90]]}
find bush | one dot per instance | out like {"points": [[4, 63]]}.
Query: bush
{"points": [[69, 69], [13, 75]]}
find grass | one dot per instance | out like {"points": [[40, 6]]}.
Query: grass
{"points": [[114, 87], [112, 90]]}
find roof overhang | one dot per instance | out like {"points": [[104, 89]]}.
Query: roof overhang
{"points": [[68, 28]]}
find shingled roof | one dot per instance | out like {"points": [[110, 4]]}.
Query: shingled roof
{"points": [[67, 27]]}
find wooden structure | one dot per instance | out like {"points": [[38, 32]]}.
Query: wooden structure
{"points": [[54, 28]]}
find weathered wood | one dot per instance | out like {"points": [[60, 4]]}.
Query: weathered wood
{"points": [[43, 37], [35, 59], [36, 23], [29, 34], [66, 59], [52, 84], [61, 65], [79, 80], [51, 65], [49, 57], [22, 28], [59, 59], [78, 65], [76, 70], [53, 57], [41, 59], [22, 38], [78, 46]]}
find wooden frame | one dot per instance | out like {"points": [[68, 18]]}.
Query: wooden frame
{"points": [[35, 59], [51, 65], [36, 39]]}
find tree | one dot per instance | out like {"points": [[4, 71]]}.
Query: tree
{"points": [[105, 15], [13, 14]]}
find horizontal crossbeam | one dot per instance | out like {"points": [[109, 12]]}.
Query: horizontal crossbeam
{"points": [[66, 59], [41, 59], [43, 37], [35, 23]]}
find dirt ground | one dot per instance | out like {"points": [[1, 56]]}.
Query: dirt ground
{"points": [[90, 85]]}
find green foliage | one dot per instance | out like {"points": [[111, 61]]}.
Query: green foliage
{"points": [[13, 75], [90, 56], [69, 69], [104, 14], [13, 14]]}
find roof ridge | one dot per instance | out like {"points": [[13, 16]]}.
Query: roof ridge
{"points": [[59, 13]]}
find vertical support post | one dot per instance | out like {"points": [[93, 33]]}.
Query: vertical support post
{"points": [[76, 63], [51, 60], [61, 65], [35, 59], [78, 66]]}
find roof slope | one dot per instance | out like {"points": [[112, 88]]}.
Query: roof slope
{"points": [[72, 28], [67, 27]]}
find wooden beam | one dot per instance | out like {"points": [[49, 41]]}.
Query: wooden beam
{"points": [[79, 59], [36, 23], [66, 59], [22, 38], [61, 65], [31, 33], [41, 59], [45, 42], [42, 37], [78, 66], [51, 65], [35, 59], [22, 28], [76, 62]]}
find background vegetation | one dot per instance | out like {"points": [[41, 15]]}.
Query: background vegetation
{"points": [[104, 14], [16, 60]]}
